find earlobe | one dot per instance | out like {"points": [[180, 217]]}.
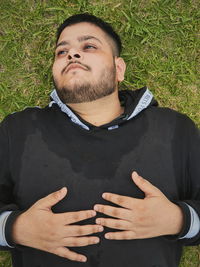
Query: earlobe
{"points": [[120, 68]]}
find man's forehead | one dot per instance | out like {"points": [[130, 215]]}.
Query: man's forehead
{"points": [[80, 31]]}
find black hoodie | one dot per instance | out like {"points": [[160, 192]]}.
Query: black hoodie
{"points": [[42, 150]]}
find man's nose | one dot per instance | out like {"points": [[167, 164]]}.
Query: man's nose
{"points": [[73, 53]]}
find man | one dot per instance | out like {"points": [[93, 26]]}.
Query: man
{"points": [[71, 177]]}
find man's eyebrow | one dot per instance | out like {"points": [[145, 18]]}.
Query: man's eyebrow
{"points": [[80, 39], [88, 37], [62, 43]]}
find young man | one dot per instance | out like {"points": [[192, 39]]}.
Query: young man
{"points": [[70, 173]]}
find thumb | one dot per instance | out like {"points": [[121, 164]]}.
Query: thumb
{"points": [[51, 199], [149, 189]]}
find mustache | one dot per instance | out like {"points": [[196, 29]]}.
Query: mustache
{"points": [[78, 62]]}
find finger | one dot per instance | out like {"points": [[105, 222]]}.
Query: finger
{"points": [[122, 201], [52, 199], [114, 212], [123, 235], [146, 186], [80, 241], [73, 256], [113, 223], [77, 230], [76, 216]]}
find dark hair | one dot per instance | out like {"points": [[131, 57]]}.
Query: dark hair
{"points": [[86, 17]]}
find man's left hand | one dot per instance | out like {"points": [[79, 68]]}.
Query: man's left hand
{"points": [[152, 216]]}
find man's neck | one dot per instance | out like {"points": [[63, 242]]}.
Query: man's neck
{"points": [[101, 111]]}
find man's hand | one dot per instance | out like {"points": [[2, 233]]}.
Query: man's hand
{"points": [[40, 228], [152, 216]]}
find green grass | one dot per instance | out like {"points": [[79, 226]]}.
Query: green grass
{"points": [[161, 44]]}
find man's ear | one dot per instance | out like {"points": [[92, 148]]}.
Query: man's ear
{"points": [[120, 68]]}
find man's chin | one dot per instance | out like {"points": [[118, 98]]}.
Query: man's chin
{"points": [[74, 82]]}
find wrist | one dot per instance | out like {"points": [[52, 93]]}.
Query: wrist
{"points": [[177, 220]]}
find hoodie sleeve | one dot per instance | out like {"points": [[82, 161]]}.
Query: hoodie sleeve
{"points": [[7, 200], [188, 159], [193, 173]]}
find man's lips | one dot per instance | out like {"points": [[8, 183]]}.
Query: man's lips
{"points": [[74, 66]]}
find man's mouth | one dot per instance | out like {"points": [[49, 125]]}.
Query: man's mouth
{"points": [[74, 66]]}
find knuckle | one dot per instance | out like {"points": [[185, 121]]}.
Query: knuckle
{"points": [[142, 180], [92, 240], [79, 231], [55, 195], [125, 235], [120, 200], [115, 213], [102, 221], [74, 243], [133, 234], [88, 214], [63, 254], [76, 258], [101, 208], [76, 216], [92, 229], [96, 229], [117, 224], [88, 241]]}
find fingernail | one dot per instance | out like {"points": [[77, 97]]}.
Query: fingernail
{"points": [[98, 221], [135, 174], [96, 240], [100, 228], [83, 259], [96, 208], [107, 236], [93, 213], [104, 195], [63, 190]]}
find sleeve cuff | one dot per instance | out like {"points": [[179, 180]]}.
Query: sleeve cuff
{"points": [[3, 218], [8, 227], [195, 224]]}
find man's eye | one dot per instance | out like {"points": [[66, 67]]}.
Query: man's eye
{"points": [[61, 52], [89, 47]]}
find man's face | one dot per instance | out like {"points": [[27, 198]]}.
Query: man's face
{"points": [[84, 68]]}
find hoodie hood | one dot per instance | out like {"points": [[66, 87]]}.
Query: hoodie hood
{"points": [[134, 103]]}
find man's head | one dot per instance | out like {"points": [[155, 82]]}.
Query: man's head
{"points": [[113, 37], [86, 66]]}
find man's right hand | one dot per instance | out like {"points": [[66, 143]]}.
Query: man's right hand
{"points": [[42, 229]]}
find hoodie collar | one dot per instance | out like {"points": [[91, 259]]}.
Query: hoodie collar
{"points": [[64, 108], [134, 102]]}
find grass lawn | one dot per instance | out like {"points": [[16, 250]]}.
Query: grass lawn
{"points": [[161, 45]]}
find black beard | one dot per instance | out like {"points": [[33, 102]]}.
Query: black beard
{"points": [[87, 92]]}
